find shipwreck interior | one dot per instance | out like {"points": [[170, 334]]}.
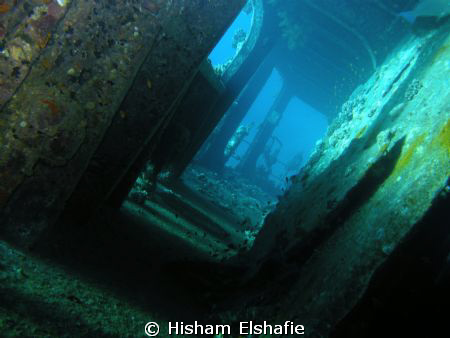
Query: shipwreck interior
{"points": [[136, 186]]}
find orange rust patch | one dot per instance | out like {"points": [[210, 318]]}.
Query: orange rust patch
{"points": [[54, 116], [4, 8], [408, 154], [443, 138], [52, 105]]}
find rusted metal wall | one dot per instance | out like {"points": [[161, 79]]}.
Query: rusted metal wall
{"points": [[69, 96], [174, 146], [195, 113]]}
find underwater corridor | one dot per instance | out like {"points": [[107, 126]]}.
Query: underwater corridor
{"points": [[238, 168]]}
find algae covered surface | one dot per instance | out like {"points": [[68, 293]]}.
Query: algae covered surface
{"points": [[39, 299]]}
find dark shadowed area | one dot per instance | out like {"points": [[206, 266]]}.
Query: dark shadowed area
{"points": [[225, 168]]}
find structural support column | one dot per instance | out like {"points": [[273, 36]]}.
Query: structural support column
{"points": [[214, 157], [91, 109], [248, 163], [215, 153]]}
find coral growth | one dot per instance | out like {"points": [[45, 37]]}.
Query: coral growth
{"points": [[413, 89], [408, 154], [292, 32], [238, 38]]}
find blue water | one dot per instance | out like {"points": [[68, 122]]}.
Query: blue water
{"points": [[301, 125], [223, 50], [299, 129]]}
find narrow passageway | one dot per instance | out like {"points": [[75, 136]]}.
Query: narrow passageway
{"points": [[222, 164]]}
